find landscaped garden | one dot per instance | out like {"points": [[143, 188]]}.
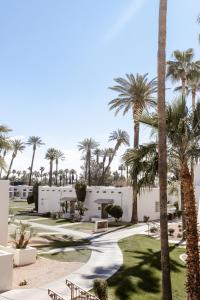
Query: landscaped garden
{"points": [[140, 276]]}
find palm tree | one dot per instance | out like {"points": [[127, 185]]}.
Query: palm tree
{"points": [[51, 156], [41, 172], [162, 150], [183, 132], [86, 146], [97, 153], [120, 137], [59, 156], [181, 67], [5, 146], [121, 168], [17, 146], [66, 171], [72, 173], [34, 141], [135, 93]]}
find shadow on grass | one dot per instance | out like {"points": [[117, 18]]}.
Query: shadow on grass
{"points": [[63, 241], [141, 275]]}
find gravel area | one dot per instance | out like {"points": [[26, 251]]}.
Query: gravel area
{"points": [[42, 272]]}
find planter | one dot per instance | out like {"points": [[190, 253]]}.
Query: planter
{"points": [[23, 257]]}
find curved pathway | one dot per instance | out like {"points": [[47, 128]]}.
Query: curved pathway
{"points": [[105, 260]]}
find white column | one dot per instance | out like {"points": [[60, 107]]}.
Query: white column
{"points": [[4, 207]]}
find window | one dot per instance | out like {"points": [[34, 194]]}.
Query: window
{"points": [[157, 206]]}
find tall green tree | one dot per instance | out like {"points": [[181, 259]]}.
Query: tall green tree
{"points": [[59, 157], [51, 156], [135, 93], [86, 147], [17, 146], [35, 142], [120, 137], [162, 152]]}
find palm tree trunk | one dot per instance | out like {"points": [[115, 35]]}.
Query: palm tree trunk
{"points": [[162, 150], [50, 173], [193, 99], [89, 168], [108, 165], [183, 86], [134, 218], [183, 211], [12, 159], [31, 169], [56, 172], [192, 272], [4, 154]]}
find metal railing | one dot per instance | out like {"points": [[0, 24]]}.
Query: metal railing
{"points": [[78, 293], [54, 296]]}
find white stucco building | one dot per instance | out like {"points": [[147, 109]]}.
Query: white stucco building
{"points": [[97, 198], [20, 191]]}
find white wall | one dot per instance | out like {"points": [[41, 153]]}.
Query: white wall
{"points": [[4, 203], [49, 200], [6, 270]]}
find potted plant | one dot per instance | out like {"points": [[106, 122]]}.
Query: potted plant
{"points": [[23, 254]]}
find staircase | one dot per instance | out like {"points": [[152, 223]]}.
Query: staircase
{"points": [[76, 293]]}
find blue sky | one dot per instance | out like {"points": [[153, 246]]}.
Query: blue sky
{"points": [[58, 58]]}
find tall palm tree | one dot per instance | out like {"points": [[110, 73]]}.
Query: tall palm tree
{"points": [[183, 133], [35, 142], [51, 156], [41, 172], [120, 137], [97, 153], [66, 171], [5, 146], [181, 67], [17, 146], [162, 150], [86, 146], [135, 93], [59, 156]]}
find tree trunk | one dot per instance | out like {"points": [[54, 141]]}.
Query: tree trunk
{"points": [[89, 168], [162, 150], [50, 173], [192, 272], [56, 172], [183, 212], [13, 157], [193, 99], [31, 169], [183, 86], [134, 217]]}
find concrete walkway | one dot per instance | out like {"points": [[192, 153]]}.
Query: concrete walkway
{"points": [[105, 260]]}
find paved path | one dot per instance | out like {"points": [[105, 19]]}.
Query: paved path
{"points": [[105, 260]]}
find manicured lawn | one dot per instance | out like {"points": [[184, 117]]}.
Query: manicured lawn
{"points": [[140, 277], [26, 217], [72, 256], [85, 226], [17, 206], [52, 222]]}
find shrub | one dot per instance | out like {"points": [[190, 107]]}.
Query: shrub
{"points": [[22, 236], [80, 188], [108, 208], [171, 231], [54, 216], [146, 219], [81, 208], [100, 287], [30, 199], [153, 229]]}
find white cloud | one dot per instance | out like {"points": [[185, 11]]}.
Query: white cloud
{"points": [[125, 17]]}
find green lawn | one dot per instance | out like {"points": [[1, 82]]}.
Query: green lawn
{"points": [[52, 222], [26, 217], [140, 277], [82, 226], [72, 256]]}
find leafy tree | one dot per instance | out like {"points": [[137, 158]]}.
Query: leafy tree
{"points": [[17, 146], [135, 93], [59, 156], [51, 156], [35, 142]]}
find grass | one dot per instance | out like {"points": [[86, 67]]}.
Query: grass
{"points": [[140, 276], [82, 226], [73, 256], [26, 217], [52, 222], [61, 241]]}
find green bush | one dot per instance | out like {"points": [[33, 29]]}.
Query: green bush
{"points": [[114, 211], [153, 229], [100, 287], [108, 208], [171, 231]]}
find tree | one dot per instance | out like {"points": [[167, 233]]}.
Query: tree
{"points": [[34, 141], [17, 146], [136, 93], [51, 156], [41, 173], [162, 151], [59, 156], [86, 146], [183, 133], [5, 146], [120, 137]]}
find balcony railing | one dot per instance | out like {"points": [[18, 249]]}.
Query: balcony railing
{"points": [[78, 293], [54, 296]]}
